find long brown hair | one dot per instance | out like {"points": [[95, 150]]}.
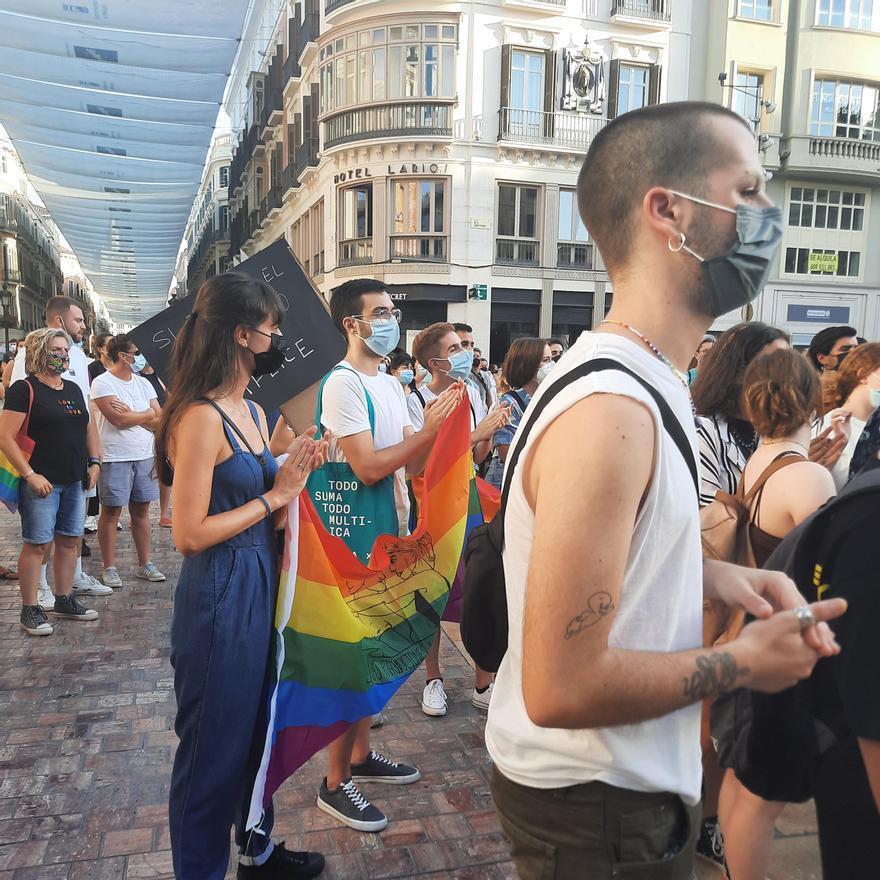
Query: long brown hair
{"points": [[204, 360], [857, 365]]}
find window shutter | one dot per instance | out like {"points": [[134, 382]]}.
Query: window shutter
{"points": [[505, 76], [654, 84], [291, 142], [316, 99], [550, 58], [613, 83]]}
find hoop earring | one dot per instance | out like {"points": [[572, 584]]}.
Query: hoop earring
{"points": [[675, 250]]}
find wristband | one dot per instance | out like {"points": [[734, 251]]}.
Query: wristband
{"points": [[30, 473], [265, 503], [93, 461]]}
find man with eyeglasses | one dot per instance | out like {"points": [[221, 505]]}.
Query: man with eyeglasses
{"points": [[366, 414]]}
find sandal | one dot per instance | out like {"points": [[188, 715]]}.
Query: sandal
{"points": [[165, 522], [8, 574]]}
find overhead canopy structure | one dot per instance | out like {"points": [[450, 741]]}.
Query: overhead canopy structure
{"points": [[111, 107]]}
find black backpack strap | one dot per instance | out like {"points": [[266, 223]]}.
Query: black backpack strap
{"points": [[670, 422], [419, 395]]}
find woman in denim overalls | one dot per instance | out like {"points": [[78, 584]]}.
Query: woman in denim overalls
{"points": [[229, 497]]}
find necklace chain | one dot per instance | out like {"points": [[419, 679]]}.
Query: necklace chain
{"points": [[682, 377], [795, 442]]}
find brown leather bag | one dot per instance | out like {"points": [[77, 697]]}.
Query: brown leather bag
{"points": [[724, 531]]}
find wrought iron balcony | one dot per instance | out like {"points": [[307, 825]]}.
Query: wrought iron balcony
{"points": [[574, 255], [419, 248], [517, 252], [333, 5], [306, 156], [389, 120], [561, 130], [355, 252], [646, 10]]}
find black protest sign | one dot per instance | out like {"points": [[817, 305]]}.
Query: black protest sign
{"points": [[315, 346]]}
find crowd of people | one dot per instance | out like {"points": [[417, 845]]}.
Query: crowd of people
{"points": [[594, 716]]}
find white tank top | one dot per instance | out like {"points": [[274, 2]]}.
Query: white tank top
{"points": [[660, 607]]}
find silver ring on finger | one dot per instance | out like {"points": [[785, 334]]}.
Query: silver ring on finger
{"points": [[805, 617]]}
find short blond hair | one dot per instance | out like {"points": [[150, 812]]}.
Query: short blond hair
{"points": [[36, 358]]}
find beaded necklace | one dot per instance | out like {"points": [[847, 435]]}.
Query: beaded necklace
{"points": [[682, 377]]}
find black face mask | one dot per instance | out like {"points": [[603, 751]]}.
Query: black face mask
{"points": [[272, 359]]}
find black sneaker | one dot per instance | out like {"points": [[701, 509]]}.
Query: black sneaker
{"points": [[378, 768], [86, 550], [350, 807], [71, 607], [34, 621], [284, 864], [710, 844]]}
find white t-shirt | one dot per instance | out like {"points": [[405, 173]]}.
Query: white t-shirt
{"points": [[125, 444], [840, 471], [660, 607], [78, 371], [344, 413], [417, 411]]}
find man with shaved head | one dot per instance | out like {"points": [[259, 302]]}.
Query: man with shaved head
{"points": [[594, 723]]}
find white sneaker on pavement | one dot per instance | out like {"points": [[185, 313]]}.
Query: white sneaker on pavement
{"points": [[91, 525], [150, 573], [111, 577], [86, 585], [481, 700], [434, 698], [45, 597]]}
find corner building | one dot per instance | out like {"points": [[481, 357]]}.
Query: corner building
{"points": [[437, 148], [806, 75]]}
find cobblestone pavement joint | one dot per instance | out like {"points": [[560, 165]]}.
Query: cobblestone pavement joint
{"points": [[87, 742]]}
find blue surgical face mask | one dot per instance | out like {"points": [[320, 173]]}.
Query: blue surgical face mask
{"points": [[384, 336], [736, 277], [383, 367], [875, 397], [137, 363], [460, 364], [406, 376]]}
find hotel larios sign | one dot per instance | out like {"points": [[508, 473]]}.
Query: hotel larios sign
{"points": [[403, 168]]}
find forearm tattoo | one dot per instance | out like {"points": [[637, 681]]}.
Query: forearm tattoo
{"points": [[598, 605], [715, 674]]}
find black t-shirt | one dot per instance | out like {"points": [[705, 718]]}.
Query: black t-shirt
{"points": [[58, 425], [95, 370], [844, 687]]}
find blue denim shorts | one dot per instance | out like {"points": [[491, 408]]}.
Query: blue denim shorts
{"points": [[122, 482], [61, 512]]}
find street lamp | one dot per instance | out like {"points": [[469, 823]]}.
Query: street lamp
{"points": [[7, 313]]}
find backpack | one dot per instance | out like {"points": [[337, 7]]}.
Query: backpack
{"points": [[775, 742], [724, 534], [484, 623]]}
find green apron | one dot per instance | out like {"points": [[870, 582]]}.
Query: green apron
{"points": [[348, 508]]}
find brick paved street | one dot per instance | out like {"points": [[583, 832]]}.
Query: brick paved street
{"points": [[86, 745]]}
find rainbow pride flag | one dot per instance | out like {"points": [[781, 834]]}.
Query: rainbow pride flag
{"points": [[348, 635]]}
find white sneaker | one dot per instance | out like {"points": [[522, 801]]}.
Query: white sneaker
{"points": [[150, 573], [91, 525], [86, 585], [481, 700], [119, 525], [111, 577], [45, 597], [434, 698]]}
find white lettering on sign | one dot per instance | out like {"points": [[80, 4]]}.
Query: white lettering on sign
{"points": [[164, 338], [398, 296], [269, 273], [818, 313]]}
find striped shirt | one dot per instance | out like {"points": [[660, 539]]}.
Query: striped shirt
{"points": [[721, 459]]}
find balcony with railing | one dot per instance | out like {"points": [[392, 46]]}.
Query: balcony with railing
{"points": [[417, 119], [818, 156], [333, 5], [556, 131], [642, 12], [574, 255], [517, 251], [309, 31], [355, 252], [420, 248], [306, 156]]}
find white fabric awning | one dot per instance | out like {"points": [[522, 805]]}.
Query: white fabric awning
{"points": [[112, 107]]}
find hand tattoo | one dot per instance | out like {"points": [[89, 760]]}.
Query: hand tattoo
{"points": [[715, 674], [598, 605]]}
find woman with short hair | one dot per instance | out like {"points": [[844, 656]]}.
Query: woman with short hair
{"points": [[63, 465]]}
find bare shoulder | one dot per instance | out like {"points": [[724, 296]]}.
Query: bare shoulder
{"points": [[805, 475]]}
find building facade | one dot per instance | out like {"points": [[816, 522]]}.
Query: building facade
{"points": [[806, 73], [207, 231], [437, 149], [30, 262]]}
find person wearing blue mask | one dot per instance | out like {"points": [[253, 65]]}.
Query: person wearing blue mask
{"points": [[129, 413], [401, 365], [373, 446]]}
